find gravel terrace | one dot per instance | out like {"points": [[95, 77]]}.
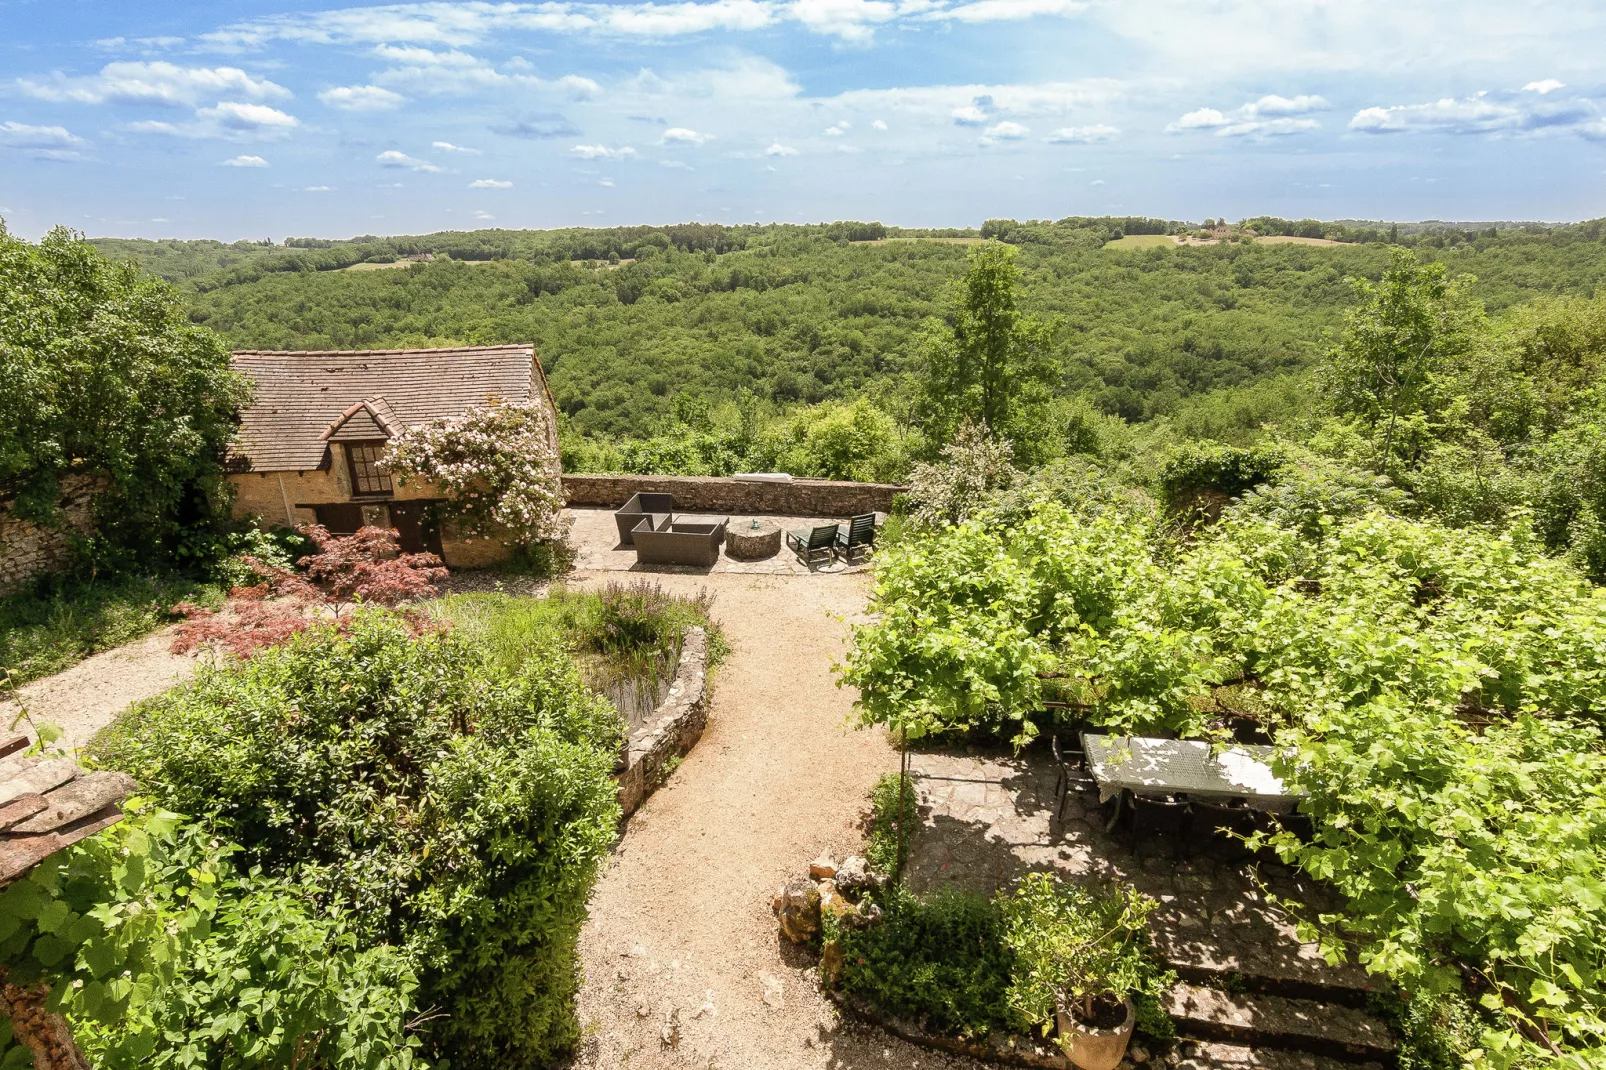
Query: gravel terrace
{"points": [[87, 697], [683, 966]]}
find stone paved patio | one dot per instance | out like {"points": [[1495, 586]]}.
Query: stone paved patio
{"points": [[988, 818], [596, 540]]}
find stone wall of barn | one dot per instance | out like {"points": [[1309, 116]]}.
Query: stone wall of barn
{"points": [[29, 550]]}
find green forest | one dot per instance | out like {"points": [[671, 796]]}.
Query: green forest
{"points": [[768, 318]]}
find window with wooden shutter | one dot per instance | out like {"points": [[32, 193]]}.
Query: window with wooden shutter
{"points": [[366, 477]]}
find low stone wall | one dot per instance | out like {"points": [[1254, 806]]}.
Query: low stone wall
{"points": [[29, 550], [673, 729], [1011, 1050], [712, 494]]}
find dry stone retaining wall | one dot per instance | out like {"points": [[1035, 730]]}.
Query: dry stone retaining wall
{"points": [[673, 729], [29, 550], [714, 494]]}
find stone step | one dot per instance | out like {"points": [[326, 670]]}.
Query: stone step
{"points": [[1254, 950], [1279, 1022], [1216, 1055]]}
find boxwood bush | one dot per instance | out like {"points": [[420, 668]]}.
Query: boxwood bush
{"points": [[450, 806]]}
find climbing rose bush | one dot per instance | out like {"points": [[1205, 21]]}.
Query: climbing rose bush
{"points": [[498, 464]]}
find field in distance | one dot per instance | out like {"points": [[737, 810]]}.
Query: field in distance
{"points": [[1171, 241]]}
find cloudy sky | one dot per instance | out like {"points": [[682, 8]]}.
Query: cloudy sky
{"points": [[245, 118]]}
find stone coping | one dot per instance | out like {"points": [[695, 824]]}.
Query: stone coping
{"points": [[723, 494], [672, 730]]}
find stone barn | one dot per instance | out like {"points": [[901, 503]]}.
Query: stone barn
{"points": [[319, 421]]}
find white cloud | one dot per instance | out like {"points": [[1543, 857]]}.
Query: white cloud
{"points": [[578, 88], [317, 189], [1008, 130], [245, 161], [1549, 85], [677, 19], [1269, 116], [977, 105], [361, 98], [608, 182], [970, 115], [879, 125], [778, 149], [41, 142], [1007, 10], [447, 146], [483, 215], [228, 120], [159, 83], [680, 135], [24, 136], [1084, 135], [247, 117], [395, 158], [458, 24], [1484, 113], [601, 152], [490, 183], [850, 20], [1203, 119]]}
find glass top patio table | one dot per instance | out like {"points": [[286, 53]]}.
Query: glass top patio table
{"points": [[1189, 767]]}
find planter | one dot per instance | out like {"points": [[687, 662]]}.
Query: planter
{"points": [[1095, 1049]]}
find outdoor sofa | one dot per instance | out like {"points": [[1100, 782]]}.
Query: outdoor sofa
{"points": [[684, 540], [640, 507]]}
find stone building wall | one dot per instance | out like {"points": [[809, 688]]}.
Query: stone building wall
{"points": [[28, 550], [710, 494], [284, 499]]}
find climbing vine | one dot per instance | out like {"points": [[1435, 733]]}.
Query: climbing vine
{"points": [[498, 465], [1437, 697]]}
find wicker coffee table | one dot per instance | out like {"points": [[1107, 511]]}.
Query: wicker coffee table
{"points": [[751, 540]]}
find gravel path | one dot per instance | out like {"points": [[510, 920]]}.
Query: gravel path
{"points": [[87, 697], [680, 932]]}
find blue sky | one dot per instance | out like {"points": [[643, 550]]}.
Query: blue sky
{"points": [[247, 119]]}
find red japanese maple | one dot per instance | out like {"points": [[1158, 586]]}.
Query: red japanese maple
{"points": [[366, 567]]}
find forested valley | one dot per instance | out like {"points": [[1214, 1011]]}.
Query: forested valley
{"points": [[702, 349]]}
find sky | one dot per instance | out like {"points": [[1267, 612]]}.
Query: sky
{"points": [[256, 119]]}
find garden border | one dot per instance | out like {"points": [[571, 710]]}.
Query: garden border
{"points": [[672, 731], [1010, 1049]]}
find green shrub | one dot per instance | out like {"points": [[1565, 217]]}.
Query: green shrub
{"points": [[1198, 469], [969, 966], [102, 373], [163, 954], [887, 811], [940, 957], [446, 804], [66, 619], [1072, 946]]}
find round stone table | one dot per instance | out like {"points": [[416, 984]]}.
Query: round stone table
{"points": [[744, 542]]}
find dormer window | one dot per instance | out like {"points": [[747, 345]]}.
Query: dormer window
{"points": [[366, 475]]}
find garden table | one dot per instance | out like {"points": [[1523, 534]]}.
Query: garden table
{"points": [[751, 540], [1185, 767]]}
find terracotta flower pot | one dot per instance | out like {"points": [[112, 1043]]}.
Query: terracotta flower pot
{"points": [[1095, 1049]]}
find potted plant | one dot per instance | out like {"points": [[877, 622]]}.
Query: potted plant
{"points": [[1081, 957]]}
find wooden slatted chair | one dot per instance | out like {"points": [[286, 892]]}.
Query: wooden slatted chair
{"points": [[858, 534], [812, 543]]}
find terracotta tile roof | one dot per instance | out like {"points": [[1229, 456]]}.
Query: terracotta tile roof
{"points": [[303, 396]]}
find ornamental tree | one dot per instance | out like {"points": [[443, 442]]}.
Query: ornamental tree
{"points": [[102, 375], [366, 567], [498, 465]]}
